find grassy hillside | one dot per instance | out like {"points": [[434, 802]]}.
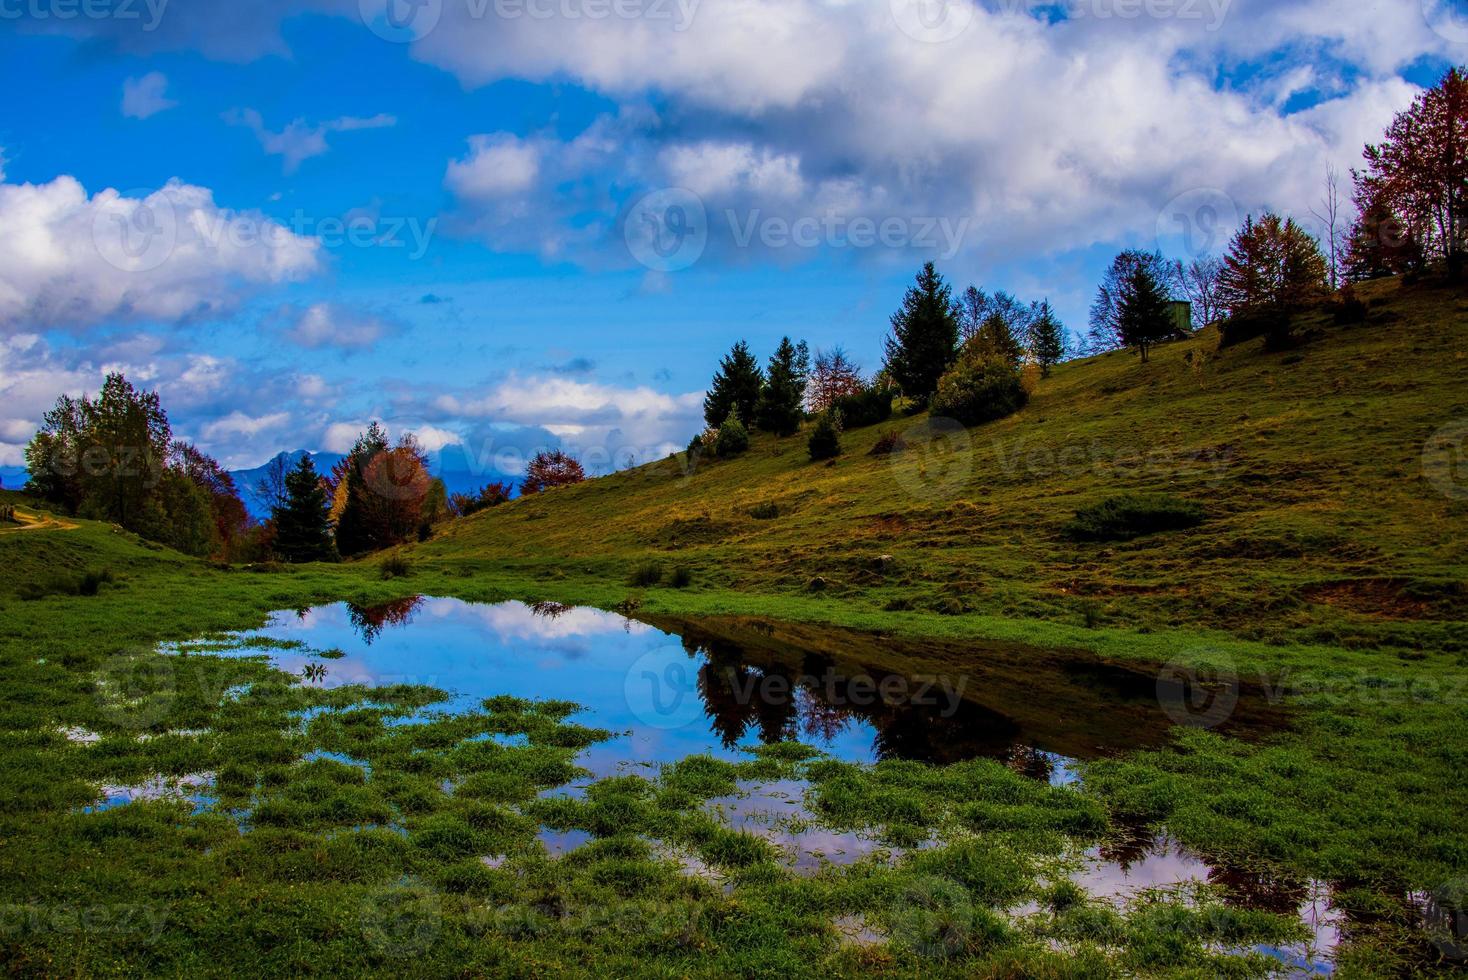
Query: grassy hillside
{"points": [[1320, 523]]}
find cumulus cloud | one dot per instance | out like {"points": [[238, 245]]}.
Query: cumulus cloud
{"points": [[601, 424], [1028, 131], [300, 140], [322, 325], [73, 260], [146, 96]]}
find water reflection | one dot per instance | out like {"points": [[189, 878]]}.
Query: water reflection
{"points": [[718, 684]]}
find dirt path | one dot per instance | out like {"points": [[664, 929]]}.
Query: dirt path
{"points": [[35, 522]]}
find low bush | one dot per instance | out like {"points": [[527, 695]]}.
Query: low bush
{"points": [[889, 443], [867, 407], [765, 512], [1348, 308], [1246, 326], [395, 566], [89, 583], [648, 573], [978, 390], [1128, 516], [733, 438], [825, 440], [681, 578]]}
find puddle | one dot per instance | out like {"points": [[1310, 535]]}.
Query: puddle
{"points": [[197, 788], [720, 686], [1120, 871], [674, 688]]}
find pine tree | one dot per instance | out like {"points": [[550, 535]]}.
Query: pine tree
{"points": [[995, 339], [1105, 321], [735, 388], [354, 528], [1047, 338], [1273, 266], [302, 522], [825, 439], [779, 408], [1143, 317], [924, 340]]}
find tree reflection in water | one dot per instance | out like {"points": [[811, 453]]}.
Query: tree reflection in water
{"points": [[370, 621]]}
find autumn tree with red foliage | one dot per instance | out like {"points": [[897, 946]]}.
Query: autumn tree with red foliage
{"points": [[1415, 183], [551, 469]]}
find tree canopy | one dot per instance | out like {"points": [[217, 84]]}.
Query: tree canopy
{"points": [[924, 339]]}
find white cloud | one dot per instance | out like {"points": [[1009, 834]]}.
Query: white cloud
{"points": [[496, 166], [329, 325], [145, 96], [68, 259], [1044, 138], [300, 140], [237, 424], [600, 424]]}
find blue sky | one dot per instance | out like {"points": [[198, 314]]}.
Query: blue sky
{"points": [[449, 228]]}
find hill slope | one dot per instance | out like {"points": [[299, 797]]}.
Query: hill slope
{"points": [[1321, 522]]}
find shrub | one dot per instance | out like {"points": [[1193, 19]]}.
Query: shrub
{"points": [[889, 443], [765, 512], [866, 407], [395, 566], [648, 573], [681, 578], [825, 441], [1243, 327], [979, 390], [87, 584], [1347, 308], [91, 582], [733, 438], [1130, 516]]}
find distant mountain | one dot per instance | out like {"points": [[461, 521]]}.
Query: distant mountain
{"points": [[455, 475], [247, 480], [13, 477]]}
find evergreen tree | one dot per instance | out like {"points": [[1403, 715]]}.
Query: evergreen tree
{"points": [[302, 521], [354, 528], [736, 387], [1105, 325], [1273, 266], [924, 340], [825, 439], [733, 438], [779, 409], [996, 340], [1144, 316], [1047, 338]]}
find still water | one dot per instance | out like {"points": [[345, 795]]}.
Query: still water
{"points": [[672, 688]]}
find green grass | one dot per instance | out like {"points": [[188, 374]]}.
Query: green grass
{"points": [[1330, 568]]}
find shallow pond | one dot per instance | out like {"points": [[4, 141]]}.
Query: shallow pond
{"points": [[673, 688], [669, 689]]}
